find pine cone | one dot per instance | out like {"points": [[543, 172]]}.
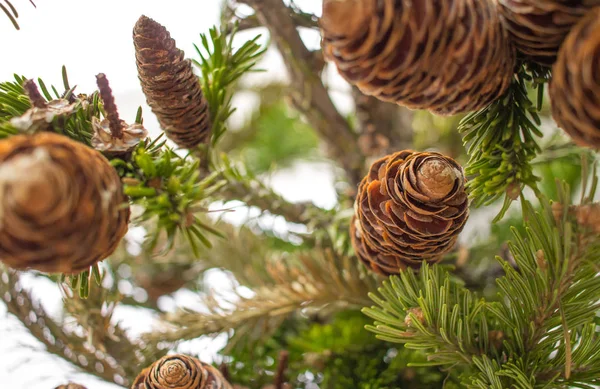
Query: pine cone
{"points": [[71, 386], [61, 204], [180, 372], [172, 89], [410, 208], [575, 85], [538, 27], [444, 56]]}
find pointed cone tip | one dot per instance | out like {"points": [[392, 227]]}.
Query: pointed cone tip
{"points": [[146, 23]]}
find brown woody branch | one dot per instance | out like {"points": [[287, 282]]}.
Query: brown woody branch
{"points": [[384, 127], [308, 93], [299, 19]]}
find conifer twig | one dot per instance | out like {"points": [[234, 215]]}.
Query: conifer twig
{"points": [[308, 92], [321, 279], [57, 339], [384, 127], [282, 366]]}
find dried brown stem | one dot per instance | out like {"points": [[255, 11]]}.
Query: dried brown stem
{"points": [[34, 94], [308, 93], [116, 127], [384, 127], [282, 366]]}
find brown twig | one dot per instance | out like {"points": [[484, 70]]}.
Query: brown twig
{"points": [[34, 94], [384, 127], [308, 93], [282, 366], [300, 19], [116, 127]]}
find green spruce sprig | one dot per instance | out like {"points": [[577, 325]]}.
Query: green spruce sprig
{"points": [[501, 142], [168, 187], [76, 122], [221, 65], [536, 334]]}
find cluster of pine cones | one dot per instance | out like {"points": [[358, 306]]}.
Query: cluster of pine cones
{"points": [[62, 206], [449, 57], [458, 56], [452, 57]]}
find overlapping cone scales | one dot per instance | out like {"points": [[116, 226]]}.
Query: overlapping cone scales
{"points": [[410, 208], [180, 372], [575, 85], [172, 89], [61, 204], [445, 56], [538, 27]]}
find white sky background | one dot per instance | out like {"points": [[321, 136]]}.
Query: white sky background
{"points": [[92, 37]]}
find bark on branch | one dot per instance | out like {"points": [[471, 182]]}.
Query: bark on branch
{"points": [[309, 95]]}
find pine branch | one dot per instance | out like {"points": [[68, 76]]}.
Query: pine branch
{"points": [[58, 339], [242, 185], [299, 18], [500, 140], [384, 127], [221, 66], [170, 190], [94, 316], [308, 93], [11, 12], [536, 334], [316, 280]]}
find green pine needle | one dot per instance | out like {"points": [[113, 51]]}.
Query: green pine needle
{"points": [[501, 142], [221, 66]]}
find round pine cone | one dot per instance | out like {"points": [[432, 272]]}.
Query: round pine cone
{"points": [[410, 208], [575, 85], [180, 372], [61, 204], [444, 56], [538, 27], [172, 89], [71, 386]]}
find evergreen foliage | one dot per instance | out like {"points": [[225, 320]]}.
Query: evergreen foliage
{"points": [[513, 307]]}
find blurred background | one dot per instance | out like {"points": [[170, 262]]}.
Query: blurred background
{"points": [[89, 38]]}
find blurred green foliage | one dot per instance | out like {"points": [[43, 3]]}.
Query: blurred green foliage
{"points": [[280, 139], [274, 137], [338, 354]]}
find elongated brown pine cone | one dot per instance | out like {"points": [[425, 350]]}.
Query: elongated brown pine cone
{"points": [[71, 386], [445, 56], [180, 372], [410, 208], [575, 84], [172, 89], [62, 207], [538, 27]]}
